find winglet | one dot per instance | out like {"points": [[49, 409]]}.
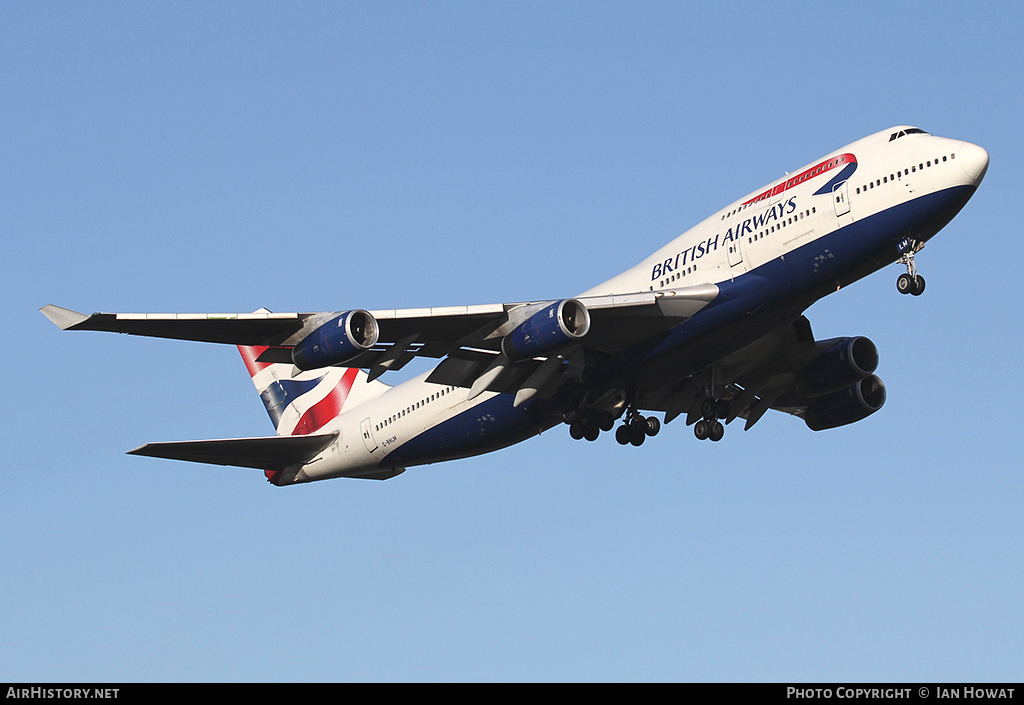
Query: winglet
{"points": [[64, 318]]}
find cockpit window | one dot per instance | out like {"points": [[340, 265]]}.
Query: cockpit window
{"points": [[908, 131]]}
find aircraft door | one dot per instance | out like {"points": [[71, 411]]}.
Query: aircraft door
{"points": [[366, 432], [841, 198], [735, 252]]}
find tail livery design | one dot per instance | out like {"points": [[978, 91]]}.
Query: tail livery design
{"points": [[302, 404], [302, 409]]}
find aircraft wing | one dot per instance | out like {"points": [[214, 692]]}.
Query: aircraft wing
{"points": [[617, 321], [771, 373]]}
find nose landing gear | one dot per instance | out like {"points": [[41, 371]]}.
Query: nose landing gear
{"points": [[911, 282]]}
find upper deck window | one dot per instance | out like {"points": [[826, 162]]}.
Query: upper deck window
{"points": [[908, 131]]}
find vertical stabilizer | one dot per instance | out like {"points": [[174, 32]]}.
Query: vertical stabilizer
{"points": [[304, 402]]}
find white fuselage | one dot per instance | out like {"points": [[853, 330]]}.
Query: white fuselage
{"points": [[800, 215]]}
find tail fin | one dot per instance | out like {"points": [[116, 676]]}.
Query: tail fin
{"points": [[304, 403]]}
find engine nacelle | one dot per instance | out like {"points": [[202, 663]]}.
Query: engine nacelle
{"points": [[846, 406], [848, 361], [337, 341], [547, 330]]}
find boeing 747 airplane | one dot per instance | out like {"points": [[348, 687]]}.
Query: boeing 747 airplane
{"points": [[710, 329]]}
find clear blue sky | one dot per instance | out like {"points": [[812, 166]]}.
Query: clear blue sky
{"points": [[192, 156]]}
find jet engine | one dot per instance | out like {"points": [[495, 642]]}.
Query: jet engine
{"points": [[848, 361], [337, 341], [547, 330], [846, 406]]}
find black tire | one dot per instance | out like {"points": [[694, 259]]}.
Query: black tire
{"points": [[652, 426], [622, 435], [716, 432], [918, 286], [576, 430], [636, 435], [701, 429], [904, 284]]}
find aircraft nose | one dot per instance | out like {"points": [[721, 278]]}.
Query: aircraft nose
{"points": [[974, 161]]}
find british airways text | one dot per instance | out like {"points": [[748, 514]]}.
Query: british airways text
{"points": [[776, 212]]}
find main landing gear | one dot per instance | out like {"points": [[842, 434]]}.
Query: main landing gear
{"points": [[588, 423], [911, 282], [634, 431], [709, 427], [636, 428]]}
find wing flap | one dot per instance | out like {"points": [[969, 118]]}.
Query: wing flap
{"points": [[263, 453]]}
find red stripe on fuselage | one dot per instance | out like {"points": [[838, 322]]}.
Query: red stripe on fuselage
{"points": [[797, 179]]}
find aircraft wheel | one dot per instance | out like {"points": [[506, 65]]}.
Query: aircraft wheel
{"points": [[716, 431], [918, 286], [637, 435], [701, 429], [576, 430], [622, 435], [652, 426], [905, 284], [591, 432], [606, 421]]}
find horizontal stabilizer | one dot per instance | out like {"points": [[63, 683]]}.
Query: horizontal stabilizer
{"points": [[266, 453]]}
